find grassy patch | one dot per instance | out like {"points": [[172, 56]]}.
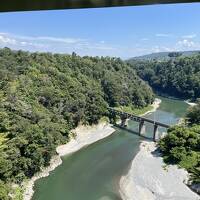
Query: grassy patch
{"points": [[18, 193], [133, 110], [104, 119]]}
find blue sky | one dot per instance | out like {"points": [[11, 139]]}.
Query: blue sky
{"points": [[123, 31]]}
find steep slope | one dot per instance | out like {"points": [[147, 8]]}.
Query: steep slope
{"points": [[44, 95]]}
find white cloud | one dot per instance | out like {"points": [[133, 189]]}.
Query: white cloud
{"points": [[56, 44], [145, 39], [186, 43], [182, 45], [58, 39], [158, 48], [6, 40], [189, 36], [163, 35], [84, 46], [67, 40]]}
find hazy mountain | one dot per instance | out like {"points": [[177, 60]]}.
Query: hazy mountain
{"points": [[163, 55]]}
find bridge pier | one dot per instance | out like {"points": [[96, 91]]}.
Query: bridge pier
{"points": [[155, 132], [124, 116], [123, 121], [142, 127]]}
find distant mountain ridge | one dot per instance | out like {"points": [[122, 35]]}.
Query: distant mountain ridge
{"points": [[163, 55]]}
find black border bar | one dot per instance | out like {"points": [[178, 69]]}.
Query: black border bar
{"points": [[30, 5]]}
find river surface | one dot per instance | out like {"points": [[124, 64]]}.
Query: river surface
{"points": [[93, 172]]}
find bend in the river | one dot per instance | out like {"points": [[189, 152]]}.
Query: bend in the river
{"points": [[93, 172]]}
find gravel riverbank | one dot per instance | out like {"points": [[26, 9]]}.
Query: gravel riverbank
{"points": [[190, 103], [150, 179]]}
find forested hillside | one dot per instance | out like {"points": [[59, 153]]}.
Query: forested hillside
{"points": [[179, 76], [44, 95]]}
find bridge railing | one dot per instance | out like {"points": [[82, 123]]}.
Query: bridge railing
{"points": [[138, 118]]}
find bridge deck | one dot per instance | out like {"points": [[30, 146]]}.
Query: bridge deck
{"points": [[138, 118]]}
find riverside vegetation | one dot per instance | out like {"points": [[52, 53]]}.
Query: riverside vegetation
{"points": [[182, 145], [43, 96]]}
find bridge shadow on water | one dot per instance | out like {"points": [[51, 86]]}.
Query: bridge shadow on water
{"points": [[155, 153], [133, 132]]}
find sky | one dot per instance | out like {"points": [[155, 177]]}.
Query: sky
{"points": [[121, 31]]}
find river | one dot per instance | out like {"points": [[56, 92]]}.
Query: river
{"points": [[93, 172]]}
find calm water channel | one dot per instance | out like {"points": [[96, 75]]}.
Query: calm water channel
{"points": [[93, 172]]}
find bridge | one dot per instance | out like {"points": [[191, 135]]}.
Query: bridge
{"points": [[141, 120]]}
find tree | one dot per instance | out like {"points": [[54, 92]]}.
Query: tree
{"points": [[174, 54], [193, 114], [4, 191]]}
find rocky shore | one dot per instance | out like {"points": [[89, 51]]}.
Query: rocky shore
{"points": [[28, 193]]}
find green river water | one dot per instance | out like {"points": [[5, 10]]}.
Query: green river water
{"points": [[93, 172]]}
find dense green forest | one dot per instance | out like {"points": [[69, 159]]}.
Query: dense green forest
{"points": [[178, 76], [43, 96], [182, 144]]}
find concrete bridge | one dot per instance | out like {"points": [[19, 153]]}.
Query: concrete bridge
{"points": [[141, 120]]}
